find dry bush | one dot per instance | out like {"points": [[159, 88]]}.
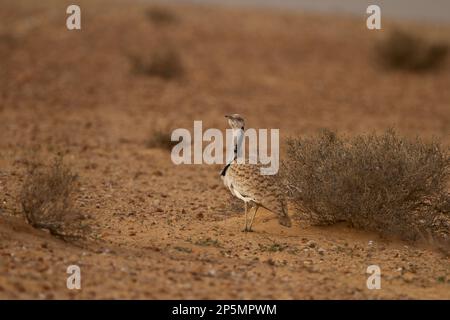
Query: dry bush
{"points": [[47, 199], [163, 63], [160, 15], [384, 183], [8, 44], [7, 40], [404, 51], [161, 139]]}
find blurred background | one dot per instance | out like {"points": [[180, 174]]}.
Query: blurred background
{"points": [[294, 65], [438, 11]]}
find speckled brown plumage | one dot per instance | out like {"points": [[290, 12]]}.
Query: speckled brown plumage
{"points": [[263, 190]]}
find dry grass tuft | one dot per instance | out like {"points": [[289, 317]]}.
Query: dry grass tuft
{"points": [[7, 40], [208, 242], [384, 183], [161, 15], [47, 199], [163, 63], [404, 51], [161, 139]]}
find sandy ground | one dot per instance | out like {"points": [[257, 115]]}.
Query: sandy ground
{"points": [[166, 231]]}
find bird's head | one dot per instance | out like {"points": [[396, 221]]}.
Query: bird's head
{"points": [[236, 121]]}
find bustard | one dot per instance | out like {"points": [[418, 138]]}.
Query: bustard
{"points": [[246, 182]]}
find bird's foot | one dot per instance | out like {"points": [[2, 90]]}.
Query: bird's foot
{"points": [[247, 230]]}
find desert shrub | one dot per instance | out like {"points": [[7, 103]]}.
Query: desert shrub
{"points": [[7, 40], [8, 43], [164, 63], [401, 50], [161, 139], [160, 15], [385, 182], [47, 199]]}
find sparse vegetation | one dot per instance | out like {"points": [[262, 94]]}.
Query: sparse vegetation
{"points": [[274, 247], [385, 182], [161, 139], [8, 43], [161, 15], [183, 249], [163, 63], [47, 199], [208, 242], [7, 40], [404, 51]]}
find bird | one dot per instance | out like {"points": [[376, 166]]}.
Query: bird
{"points": [[245, 181]]}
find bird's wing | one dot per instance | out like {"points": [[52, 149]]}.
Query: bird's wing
{"points": [[248, 180]]}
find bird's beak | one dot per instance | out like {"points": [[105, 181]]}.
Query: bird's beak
{"points": [[227, 116]]}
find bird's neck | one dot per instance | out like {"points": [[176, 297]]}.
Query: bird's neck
{"points": [[238, 138]]}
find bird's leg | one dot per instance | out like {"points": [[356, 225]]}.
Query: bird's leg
{"points": [[246, 209], [253, 217]]}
